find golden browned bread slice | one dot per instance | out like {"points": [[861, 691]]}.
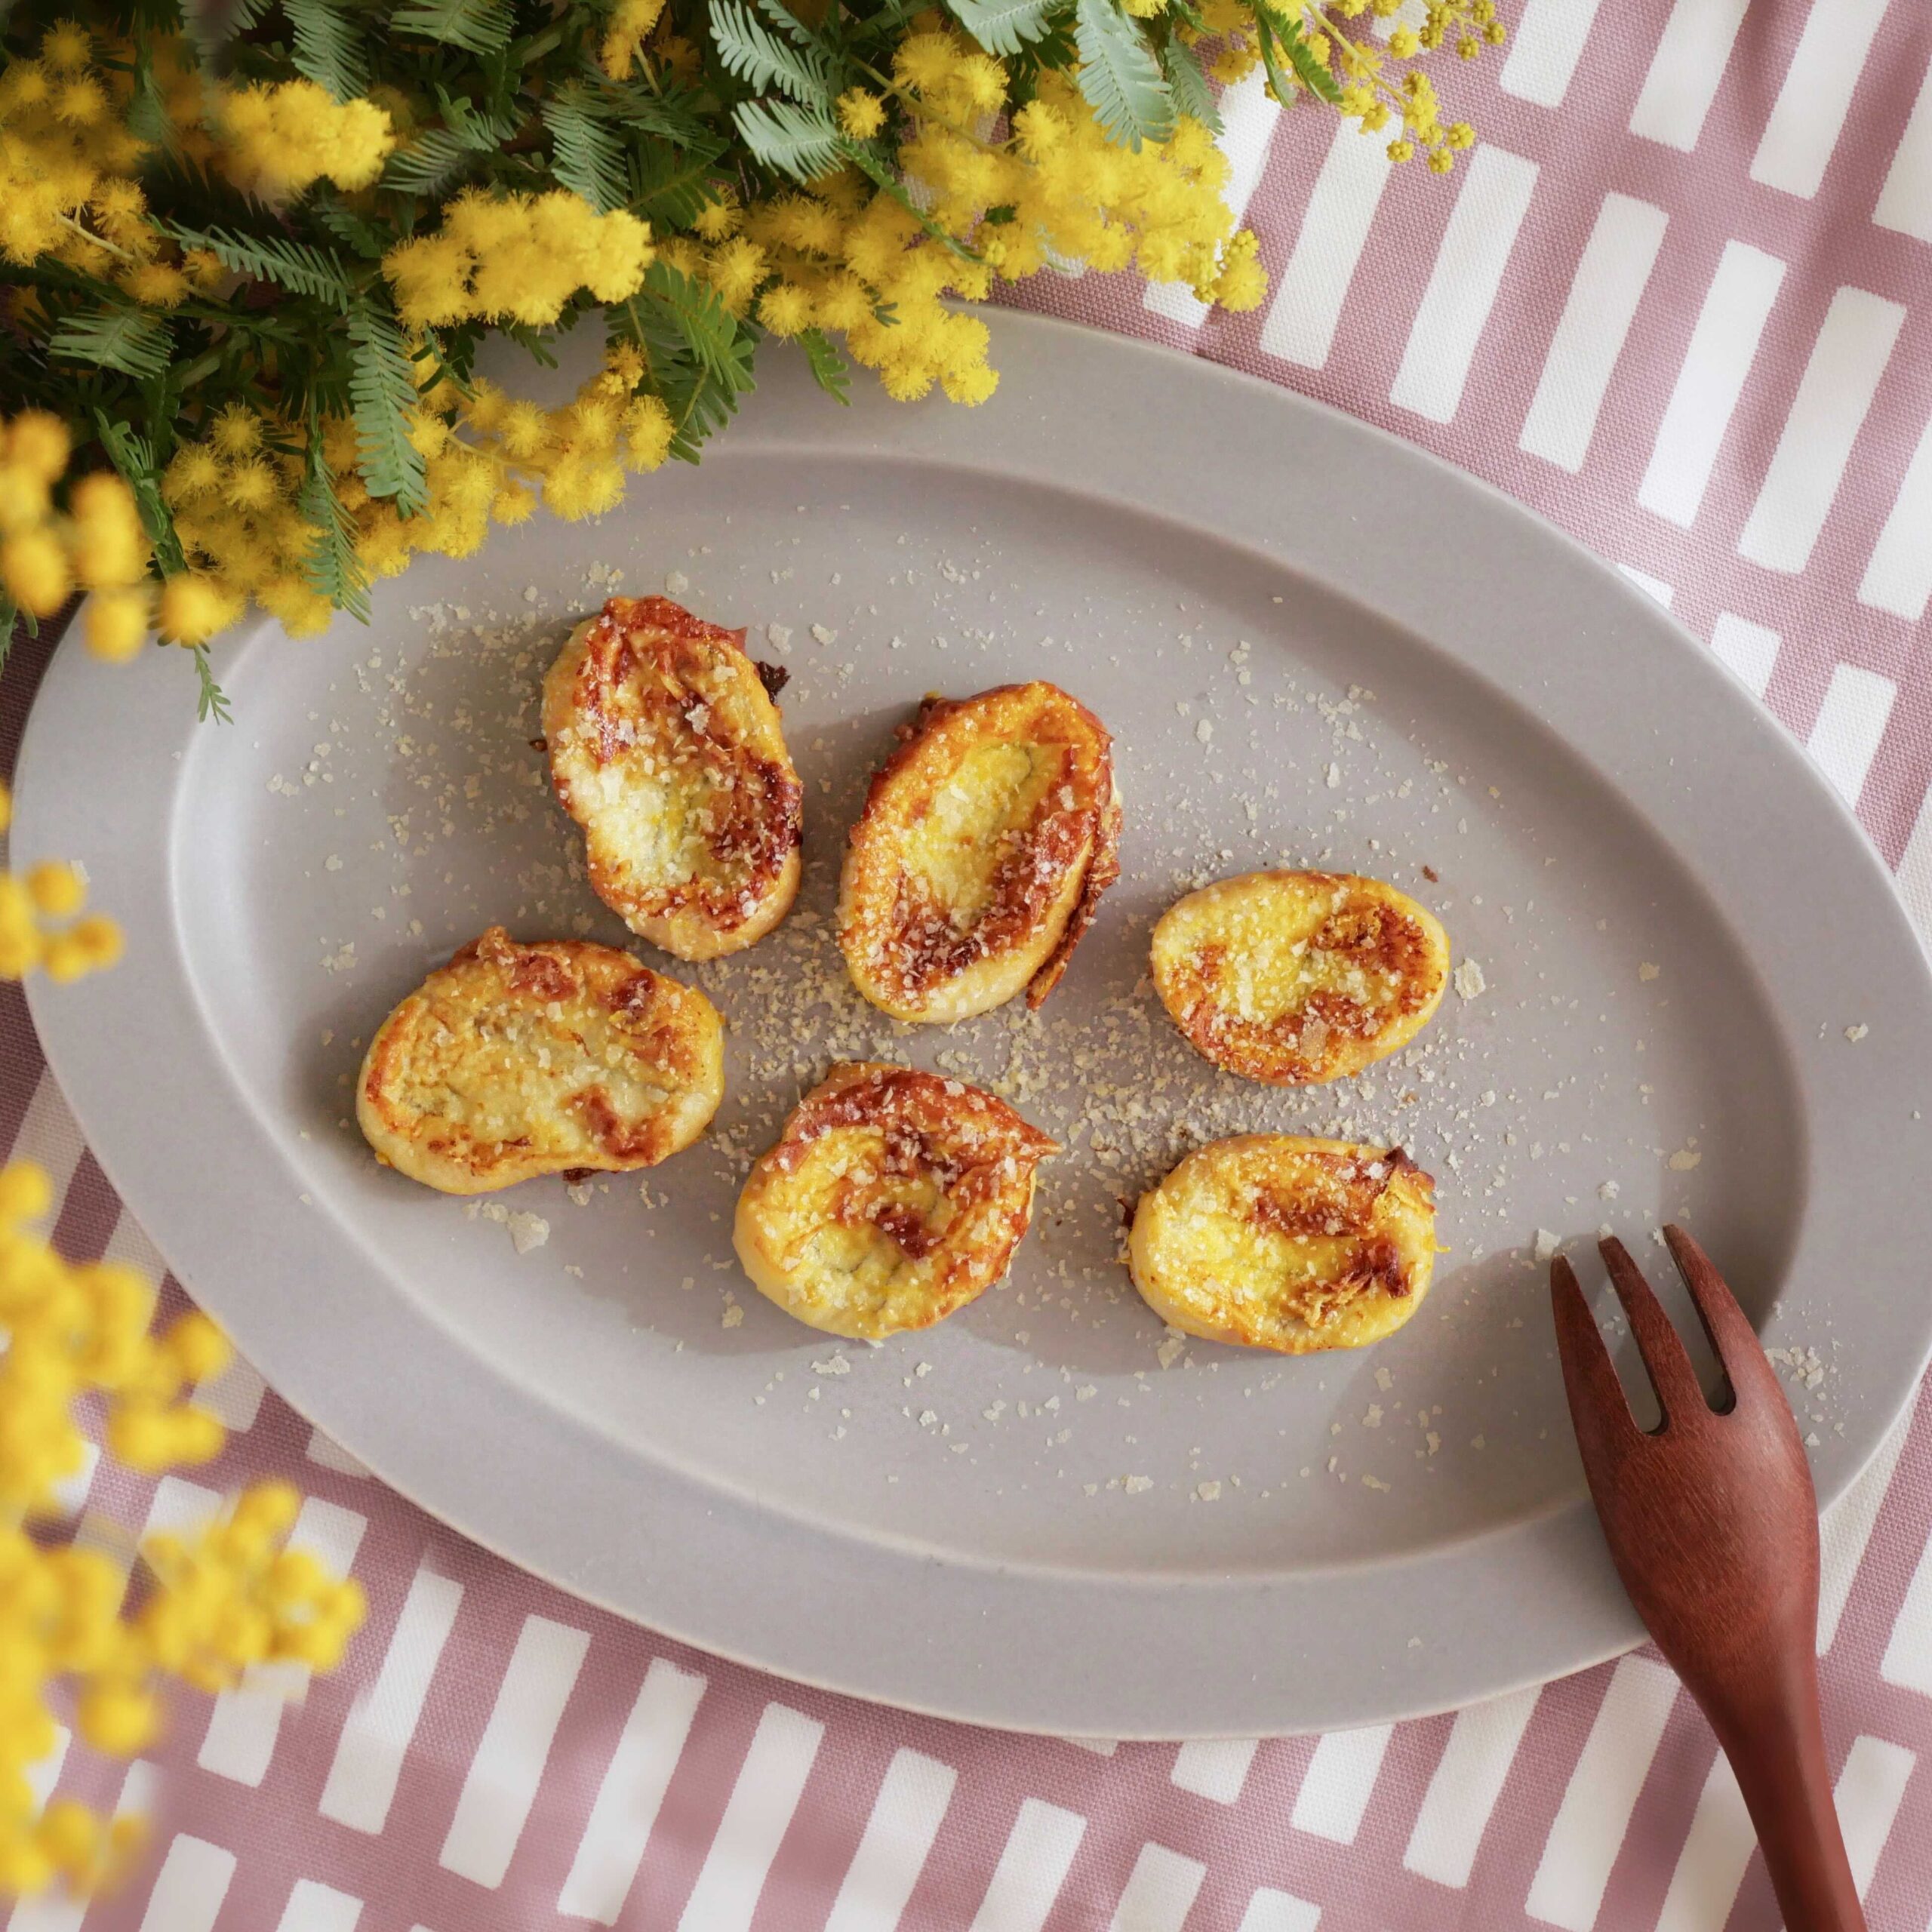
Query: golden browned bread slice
{"points": [[894, 1198], [1272, 1241], [979, 859], [665, 746], [1296, 977], [513, 1061]]}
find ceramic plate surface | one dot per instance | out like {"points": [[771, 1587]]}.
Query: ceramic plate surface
{"points": [[1684, 989]]}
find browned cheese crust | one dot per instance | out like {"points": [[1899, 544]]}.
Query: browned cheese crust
{"points": [[894, 1198], [1295, 977], [514, 1061], [981, 855], [665, 747], [1273, 1241]]}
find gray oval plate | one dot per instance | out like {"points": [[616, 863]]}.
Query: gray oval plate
{"points": [[1314, 646]]}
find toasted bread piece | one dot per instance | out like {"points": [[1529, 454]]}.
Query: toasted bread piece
{"points": [[513, 1061], [665, 746], [1298, 977], [894, 1198], [986, 842], [1270, 1241]]}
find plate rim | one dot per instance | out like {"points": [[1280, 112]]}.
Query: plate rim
{"points": [[788, 416]]}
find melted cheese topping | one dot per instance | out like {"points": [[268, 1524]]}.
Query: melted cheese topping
{"points": [[1270, 1241], [666, 748], [1299, 978], [894, 1198], [513, 1061], [979, 859]]}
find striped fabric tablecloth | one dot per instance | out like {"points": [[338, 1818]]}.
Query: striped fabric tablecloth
{"points": [[1680, 301]]}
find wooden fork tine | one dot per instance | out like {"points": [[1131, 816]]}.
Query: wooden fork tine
{"points": [[1598, 1404], [1658, 1341], [1728, 1327]]}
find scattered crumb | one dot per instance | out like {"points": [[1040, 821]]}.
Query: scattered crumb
{"points": [[1546, 1245], [1855, 1034], [1647, 970], [1208, 1492], [527, 1230], [1469, 980]]}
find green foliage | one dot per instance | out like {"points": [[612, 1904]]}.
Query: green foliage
{"points": [[348, 227], [479, 26], [1004, 26], [698, 353], [137, 341], [1119, 76], [760, 58], [212, 704], [302, 267], [328, 45], [331, 569], [830, 370], [133, 455], [1192, 96], [671, 187], [732, 101], [791, 140], [1313, 74], [147, 110], [587, 156], [382, 391]]}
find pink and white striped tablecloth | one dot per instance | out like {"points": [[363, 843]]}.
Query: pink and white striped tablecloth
{"points": [[1680, 301]]}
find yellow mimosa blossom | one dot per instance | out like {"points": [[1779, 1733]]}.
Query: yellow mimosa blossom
{"points": [[517, 258], [279, 138], [207, 1606]]}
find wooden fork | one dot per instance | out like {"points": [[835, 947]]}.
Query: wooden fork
{"points": [[1713, 1523]]}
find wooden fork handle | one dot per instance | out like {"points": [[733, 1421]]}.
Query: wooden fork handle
{"points": [[1773, 1737]]}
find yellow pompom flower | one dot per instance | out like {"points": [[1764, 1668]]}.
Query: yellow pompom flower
{"points": [[34, 568], [66, 47], [55, 889], [158, 284], [116, 623], [631, 24], [281, 137], [861, 113], [193, 607], [648, 433], [37, 441], [237, 431]]}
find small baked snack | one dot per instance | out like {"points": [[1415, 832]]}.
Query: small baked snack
{"points": [[986, 842], [1298, 977], [665, 746], [894, 1198], [513, 1061], [1272, 1241]]}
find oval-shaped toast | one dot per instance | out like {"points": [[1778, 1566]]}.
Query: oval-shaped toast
{"points": [[894, 1198], [1270, 1241], [986, 842], [1297, 977], [665, 747], [513, 1061]]}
